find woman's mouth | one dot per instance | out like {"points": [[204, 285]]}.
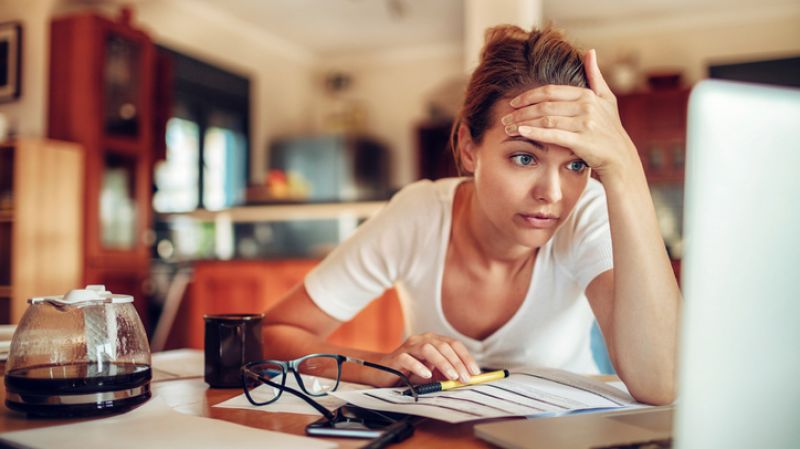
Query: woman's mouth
{"points": [[540, 221]]}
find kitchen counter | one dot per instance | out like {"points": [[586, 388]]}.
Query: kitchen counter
{"points": [[285, 212]]}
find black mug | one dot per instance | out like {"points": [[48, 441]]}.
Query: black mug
{"points": [[231, 341]]}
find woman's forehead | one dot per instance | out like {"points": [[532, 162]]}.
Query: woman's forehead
{"points": [[546, 148], [501, 108]]}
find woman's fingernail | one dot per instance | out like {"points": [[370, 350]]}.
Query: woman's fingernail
{"points": [[515, 102], [452, 374], [426, 374], [511, 129], [475, 369], [507, 119], [524, 129], [465, 379]]}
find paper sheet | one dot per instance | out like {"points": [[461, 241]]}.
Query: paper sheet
{"points": [[6, 332], [178, 364], [289, 403], [528, 392], [154, 425]]}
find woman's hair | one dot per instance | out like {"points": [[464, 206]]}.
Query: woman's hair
{"points": [[513, 60]]}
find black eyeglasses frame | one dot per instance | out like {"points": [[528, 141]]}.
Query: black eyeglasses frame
{"points": [[305, 395]]}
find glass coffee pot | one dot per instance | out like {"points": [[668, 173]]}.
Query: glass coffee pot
{"points": [[84, 353]]}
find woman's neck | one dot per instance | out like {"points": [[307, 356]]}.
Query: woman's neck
{"points": [[477, 239]]}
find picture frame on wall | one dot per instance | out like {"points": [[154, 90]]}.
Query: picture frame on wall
{"points": [[10, 60]]}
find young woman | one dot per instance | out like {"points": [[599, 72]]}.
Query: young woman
{"points": [[509, 265]]}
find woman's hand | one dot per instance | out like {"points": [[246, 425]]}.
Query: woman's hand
{"points": [[584, 120], [428, 358]]}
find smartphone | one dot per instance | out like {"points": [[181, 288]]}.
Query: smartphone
{"points": [[352, 422]]}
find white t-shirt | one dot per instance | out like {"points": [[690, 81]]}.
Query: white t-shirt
{"points": [[405, 246]]}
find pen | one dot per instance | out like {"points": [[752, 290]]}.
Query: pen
{"points": [[450, 384]]}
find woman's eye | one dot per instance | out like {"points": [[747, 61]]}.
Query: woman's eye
{"points": [[523, 159], [577, 166]]}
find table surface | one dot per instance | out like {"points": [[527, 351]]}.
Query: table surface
{"points": [[194, 397]]}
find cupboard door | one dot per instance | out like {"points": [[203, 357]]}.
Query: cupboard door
{"points": [[121, 86], [256, 286], [101, 96], [656, 122]]}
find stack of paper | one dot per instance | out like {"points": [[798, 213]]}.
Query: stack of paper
{"points": [[532, 392], [177, 364], [154, 425], [527, 392]]}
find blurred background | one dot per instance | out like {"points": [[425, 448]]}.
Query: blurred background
{"points": [[225, 146]]}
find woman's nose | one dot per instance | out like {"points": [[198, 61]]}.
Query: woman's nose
{"points": [[548, 187]]}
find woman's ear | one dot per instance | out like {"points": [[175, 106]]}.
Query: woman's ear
{"points": [[466, 149]]}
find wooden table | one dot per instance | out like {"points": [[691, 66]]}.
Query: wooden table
{"points": [[192, 396]]}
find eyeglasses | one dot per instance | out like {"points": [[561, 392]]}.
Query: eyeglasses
{"points": [[326, 370]]}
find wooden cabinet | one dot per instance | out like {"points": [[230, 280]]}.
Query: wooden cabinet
{"points": [[656, 121], [101, 96], [41, 222], [256, 286]]}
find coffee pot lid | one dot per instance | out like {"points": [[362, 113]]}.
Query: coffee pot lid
{"points": [[92, 293]]}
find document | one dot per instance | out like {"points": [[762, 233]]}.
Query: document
{"points": [[154, 425], [177, 364], [533, 392]]}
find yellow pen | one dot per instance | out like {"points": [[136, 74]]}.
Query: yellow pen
{"points": [[450, 384]]}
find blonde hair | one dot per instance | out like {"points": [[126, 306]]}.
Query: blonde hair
{"points": [[513, 60]]}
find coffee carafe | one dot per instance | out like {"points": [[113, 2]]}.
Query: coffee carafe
{"points": [[84, 353]]}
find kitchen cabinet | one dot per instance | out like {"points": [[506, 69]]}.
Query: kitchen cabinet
{"points": [[252, 286], [101, 96], [656, 122], [41, 221]]}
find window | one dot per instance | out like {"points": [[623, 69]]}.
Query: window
{"points": [[207, 157], [223, 162], [177, 178]]}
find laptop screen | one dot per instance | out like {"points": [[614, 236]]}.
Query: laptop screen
{"points": [[740, 344]]}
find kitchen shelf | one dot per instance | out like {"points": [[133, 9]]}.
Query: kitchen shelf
{"points": [[285, 212]]}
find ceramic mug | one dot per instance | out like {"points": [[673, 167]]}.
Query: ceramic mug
{"points": [[231, 341]]}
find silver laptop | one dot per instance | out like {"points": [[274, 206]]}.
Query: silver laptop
{"points": [[739, 372]]}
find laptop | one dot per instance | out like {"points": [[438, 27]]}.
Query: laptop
{"points": [[739, 370]]}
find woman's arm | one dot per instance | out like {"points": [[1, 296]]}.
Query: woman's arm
{"points": [[636, 303], [297, 326]]}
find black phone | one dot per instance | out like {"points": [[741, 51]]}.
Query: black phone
{"points": [[353, 422]]}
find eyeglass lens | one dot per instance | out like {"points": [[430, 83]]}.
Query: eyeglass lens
{"points": [[258, 391], [324, 372]]}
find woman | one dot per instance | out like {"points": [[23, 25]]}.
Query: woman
{"points": [[510, 265]]}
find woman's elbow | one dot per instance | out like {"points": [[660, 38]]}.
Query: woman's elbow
{"points": [[663, 393]]}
